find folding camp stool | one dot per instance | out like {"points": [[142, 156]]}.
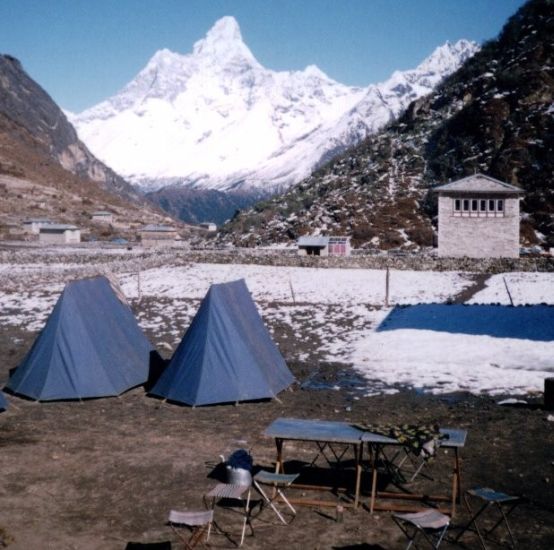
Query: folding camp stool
{"points": [[200, 521], [278, 482], [234, 492], [430, 524], [490, 497]]}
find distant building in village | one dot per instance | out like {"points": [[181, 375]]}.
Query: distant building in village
{"points": [[209, 226], [33, 225], [102, 216], [158, 235], [478, 218], [59, 234], [312, 245]]}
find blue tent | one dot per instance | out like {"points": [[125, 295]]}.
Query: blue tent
{"points": [[3, 402], [226, 355], [91, 346]]}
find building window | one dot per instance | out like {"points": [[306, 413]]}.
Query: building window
{"points": [[478, 207]]}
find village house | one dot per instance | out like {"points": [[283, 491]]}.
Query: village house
{"points": [[102, 216], [478, 218], [312, 245], [33, 225], [59, 234], [158, 235]]}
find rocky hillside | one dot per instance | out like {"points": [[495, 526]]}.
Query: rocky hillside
{"points": [[494, 115], [45, 171]]}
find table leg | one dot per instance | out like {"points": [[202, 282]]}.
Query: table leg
{"points": [[279, 468], [374, 453], [358, 451], [456, 482]]}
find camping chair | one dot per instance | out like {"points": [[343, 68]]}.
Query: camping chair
{"points": [[277, 482], [490, 498], [234, 492], [430, 524], [200, 522]]}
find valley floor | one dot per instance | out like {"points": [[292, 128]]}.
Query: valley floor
{"points": [[444, 347]]}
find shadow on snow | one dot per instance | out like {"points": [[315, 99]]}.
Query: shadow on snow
{"points": [[523, 322]]}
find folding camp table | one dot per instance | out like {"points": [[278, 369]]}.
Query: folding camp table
{"points": [[455, 440], [328, 436]]}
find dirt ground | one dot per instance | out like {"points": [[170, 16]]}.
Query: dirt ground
{"points": [[102, 473]]}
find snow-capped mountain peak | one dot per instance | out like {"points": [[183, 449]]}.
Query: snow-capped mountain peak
{"points": [[216, 118], [223, 42]]}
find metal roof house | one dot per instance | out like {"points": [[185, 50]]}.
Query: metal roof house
{"points": [[55, 233], [312, 245], [478, 218]]}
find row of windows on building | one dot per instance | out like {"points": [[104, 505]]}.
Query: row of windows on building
{"points": [[479, 206]]}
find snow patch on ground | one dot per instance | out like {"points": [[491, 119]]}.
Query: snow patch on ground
{"points": [[525, 288]]}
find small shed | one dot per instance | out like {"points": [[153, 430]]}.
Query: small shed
{"points": [[59, 234], [102, 216], [317, 245], [158, 235], [313, 245], [479, 218], [33, 225]]}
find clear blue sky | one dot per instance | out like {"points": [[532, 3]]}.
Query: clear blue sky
{"points": [[83, 51]]}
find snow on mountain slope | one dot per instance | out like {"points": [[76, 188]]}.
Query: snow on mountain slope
{"points": [[215, 118]]}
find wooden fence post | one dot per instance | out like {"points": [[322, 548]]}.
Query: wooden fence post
{"points": [[387, 281]]}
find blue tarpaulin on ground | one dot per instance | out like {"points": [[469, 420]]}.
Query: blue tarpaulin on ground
{"points": [[91, 346], [3, 402], [226, 355]]}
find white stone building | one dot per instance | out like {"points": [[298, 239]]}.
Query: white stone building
{"points": [[59, 234], [478, 218]]}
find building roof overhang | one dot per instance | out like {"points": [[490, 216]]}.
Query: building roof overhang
{"points": [[478, 184]]}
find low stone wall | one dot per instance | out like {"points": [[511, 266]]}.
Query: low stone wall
{"points": [[382, 261], [143, 258]]}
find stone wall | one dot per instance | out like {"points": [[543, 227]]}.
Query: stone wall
{"points": [[138, 258], [416, 262]]}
